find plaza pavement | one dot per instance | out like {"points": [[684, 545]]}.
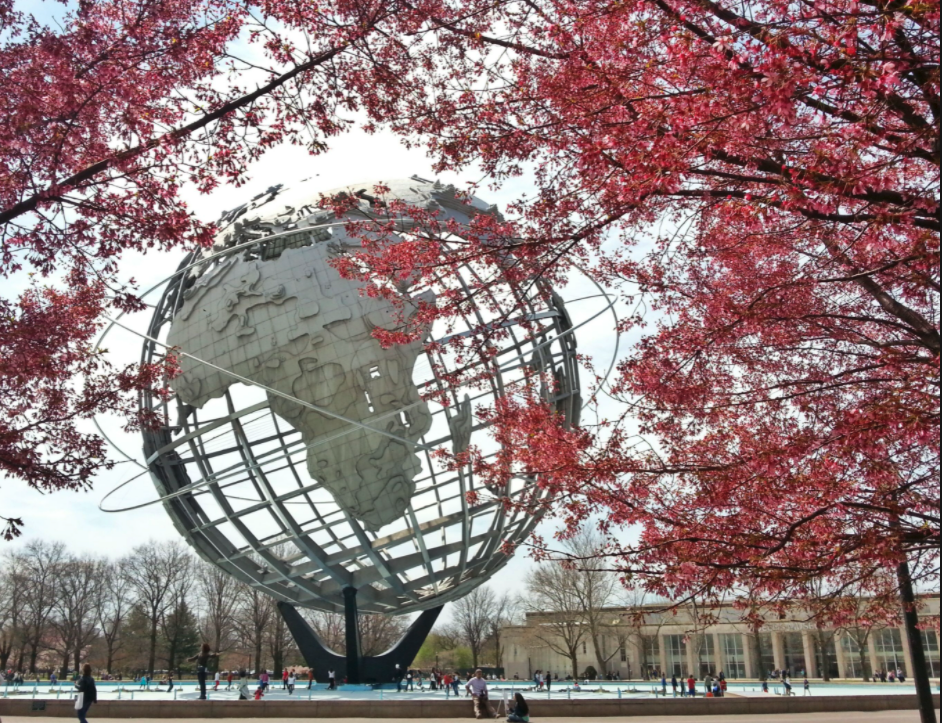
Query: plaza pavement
{"points": [[895, 716]]}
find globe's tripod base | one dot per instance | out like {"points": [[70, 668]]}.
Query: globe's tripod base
{"points": [[354, 667]]}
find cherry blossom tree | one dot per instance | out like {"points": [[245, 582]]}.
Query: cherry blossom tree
{"points": [[765, 179], [106, 118], [762, 179]]}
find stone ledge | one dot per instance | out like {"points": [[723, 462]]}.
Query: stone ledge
{"points": [[444, 709]]}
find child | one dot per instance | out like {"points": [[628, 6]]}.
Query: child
{"points": [[291, 681], [807, 687]]}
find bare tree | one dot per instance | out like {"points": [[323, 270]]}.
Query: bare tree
{"points": [[218, 592], [330, 628], [595, 588], [279, 637], [43, 561], [74, 618], [505, 612], [112, 609], [153, 571], [473, 615], [553, 594], [255, 613], [178, 624], [13, 586], [378, 633]]}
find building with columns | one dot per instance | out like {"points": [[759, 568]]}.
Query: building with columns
{"points": [[640, 642]]}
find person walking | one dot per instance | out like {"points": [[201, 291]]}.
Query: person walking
{"points": [[217, 679], [244, 692], [519, 711], [291, 682], [284, 679], [807, 687], [455, 682], [692, 686], [229, 680], [202, 659], [331, 679], [169, 682], [87, 693], [398, 676], [477, 687], [674, 684]]}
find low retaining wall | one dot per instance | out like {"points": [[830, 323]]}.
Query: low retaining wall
{"points": [[450, 709]]}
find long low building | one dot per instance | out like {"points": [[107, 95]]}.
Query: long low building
{"points": [[640, 642]]}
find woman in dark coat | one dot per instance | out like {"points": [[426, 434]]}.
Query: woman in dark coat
{"points": [[202, 659], [86, 687]]}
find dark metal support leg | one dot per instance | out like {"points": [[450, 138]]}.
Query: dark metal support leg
{"points": [[354, 651], [378, 669]]}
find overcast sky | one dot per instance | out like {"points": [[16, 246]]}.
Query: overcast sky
{"points": [[75, 518]]}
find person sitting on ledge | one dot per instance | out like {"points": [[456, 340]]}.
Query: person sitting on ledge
{"points": [[477, 687], [519, 711]]}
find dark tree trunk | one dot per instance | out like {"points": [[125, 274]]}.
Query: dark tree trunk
{"points": [[920, 671], [172, 655], [866, 673], [152, 654]]}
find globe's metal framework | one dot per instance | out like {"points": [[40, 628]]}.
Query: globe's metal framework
{"points": [[232, 474]]}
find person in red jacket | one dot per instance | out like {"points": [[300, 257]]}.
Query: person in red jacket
{"points": [[692, 686], [284, 678]]}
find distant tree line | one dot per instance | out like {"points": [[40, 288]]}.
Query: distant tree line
{"points": [[147, 612]]}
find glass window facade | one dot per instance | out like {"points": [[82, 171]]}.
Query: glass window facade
{"points": [[765, 654], [734, 655], [825, 652], [793, 649], [650, 654], [705, 654], [856, 664], [930, 644], [888, 646], [676, 652]]}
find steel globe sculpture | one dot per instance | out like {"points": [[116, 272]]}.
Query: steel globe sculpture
{"points": [[298, 455]]}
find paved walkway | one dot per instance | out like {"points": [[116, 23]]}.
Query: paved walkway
{"points": [[907, 716]]}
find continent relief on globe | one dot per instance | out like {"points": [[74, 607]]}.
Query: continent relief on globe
{"points": [[293, 324]]}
